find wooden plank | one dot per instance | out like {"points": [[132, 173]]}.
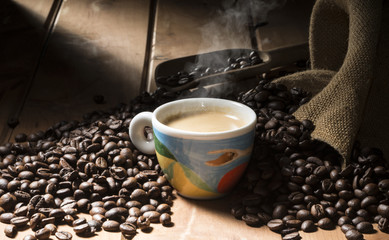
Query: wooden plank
{"points": [[185, 28], [22, 35], [287, 24], [97, 48]]}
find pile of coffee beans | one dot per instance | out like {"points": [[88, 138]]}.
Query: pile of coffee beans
{"points": [[296, 183], [293, 182], [47, 178], [198, 70]]}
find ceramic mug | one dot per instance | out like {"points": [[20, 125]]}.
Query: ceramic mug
{"points": [[199, 165]]}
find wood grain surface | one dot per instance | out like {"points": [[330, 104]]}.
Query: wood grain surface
{"points": [[22, 36], [96, 49]]}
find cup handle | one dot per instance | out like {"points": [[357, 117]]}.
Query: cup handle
{"points": [[136, 130]]}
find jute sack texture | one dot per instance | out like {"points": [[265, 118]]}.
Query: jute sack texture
{"points": [[349, 75]]}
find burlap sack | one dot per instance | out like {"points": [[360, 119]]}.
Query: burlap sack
{"points": [[349, 45]]}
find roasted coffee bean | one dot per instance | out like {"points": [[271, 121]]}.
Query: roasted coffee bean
{"points": [[317, 211], [127, 228], [63, 235], [308, 226], [29, 237], [82, 229], [280, 211], [368, 201], [143, 223], [52, 228], [251, 219], [276, 225], [346, 227], [383, 224], [112, 226], [97, 210], [357, 220], [371, 189], [6, 217], [19, 222], [165, 219], [293, 223], [163, 208], [263, 217], [42, 234], [57, 213], [344, 220], [364, 227], [79, 221], [325, 223], [353, 234], [116, 213], [331, 212], [8, 201], [139, 195], [382, 210], [354, 203], [96, 224], [292, 236], [10, 231]]}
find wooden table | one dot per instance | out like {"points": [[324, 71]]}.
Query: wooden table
{"points": [[57, 55]]}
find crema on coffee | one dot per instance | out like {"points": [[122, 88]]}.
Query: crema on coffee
{"points": [[207, 121]]}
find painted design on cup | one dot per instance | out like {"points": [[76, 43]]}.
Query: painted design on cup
{"points": [[203, 169]]}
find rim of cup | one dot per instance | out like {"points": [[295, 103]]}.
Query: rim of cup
{"points": [[183, 106]]}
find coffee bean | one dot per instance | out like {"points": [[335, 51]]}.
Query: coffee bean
{"points": [[143, 223], [96, 224], [8, 201], [353, 234], [163, 208], [357, 220], [251, 219], [276, 225], [383, 224], [63, 235], [79, 221], [52, 228], [325, 223], [293, 223], [6, 217], [111, 226], [165, 219], [354, 203], [29, 237], [292, 236], [42, 234], [331, 212], [127, 228], [153, 216], [344, 220], [346, 227], [382, 209], [82, 229], [308, 226], [19, 222], [280, 211], [10, 231], [364, 227], [317, 211]]}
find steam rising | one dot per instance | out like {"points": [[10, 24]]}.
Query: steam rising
{"points": [[230, 28]]}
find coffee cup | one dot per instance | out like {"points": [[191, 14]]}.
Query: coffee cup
{"points": [[203, 145]]}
